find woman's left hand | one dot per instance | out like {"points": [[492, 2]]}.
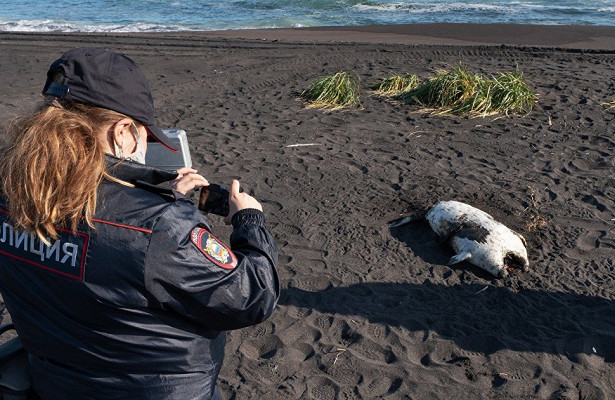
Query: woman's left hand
{"points": [[188, 179]]}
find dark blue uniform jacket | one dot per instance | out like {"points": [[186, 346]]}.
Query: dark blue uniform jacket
{"points": [[136, 308]]}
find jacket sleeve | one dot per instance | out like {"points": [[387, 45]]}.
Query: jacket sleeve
{"points": [[192, 273]]}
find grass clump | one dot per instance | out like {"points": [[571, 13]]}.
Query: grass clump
{"points": [[397, 84], [510, 94], [460, 92], [446, 92], [334, 92]]}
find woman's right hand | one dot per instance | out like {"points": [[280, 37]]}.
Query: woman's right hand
{"points": [[187, 180], [239, 201]]}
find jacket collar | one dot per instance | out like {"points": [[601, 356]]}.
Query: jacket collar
{"points": [[134, 172]]}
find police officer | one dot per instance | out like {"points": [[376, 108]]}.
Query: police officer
{"points": [[113, 279]]}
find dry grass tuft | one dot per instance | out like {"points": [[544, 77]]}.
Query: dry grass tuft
{"points": [[397, 84], [535, 222], [334, 92], [460, 92]]}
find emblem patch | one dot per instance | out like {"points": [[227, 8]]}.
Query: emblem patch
{"points": [[213, 249]]}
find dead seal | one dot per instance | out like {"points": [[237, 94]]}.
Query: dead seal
{"points": [[476, 237]]}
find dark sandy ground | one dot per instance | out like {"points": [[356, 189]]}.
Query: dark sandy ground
{"points": [[370, 312]]}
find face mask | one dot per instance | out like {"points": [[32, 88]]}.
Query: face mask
{"points": [[139, 153]]}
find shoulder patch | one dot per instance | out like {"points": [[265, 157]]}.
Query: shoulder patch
{"points": [[213, 249]]}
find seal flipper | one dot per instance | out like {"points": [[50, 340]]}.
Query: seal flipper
{"points": [[401, 221], [464, 255], [414, 217]]}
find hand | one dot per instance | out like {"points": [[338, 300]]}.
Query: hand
{"points": [[239, 201], [188, 180]]}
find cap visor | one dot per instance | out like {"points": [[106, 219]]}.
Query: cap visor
{"points": [[162, 138]]}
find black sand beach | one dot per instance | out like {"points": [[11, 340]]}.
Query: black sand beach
{"points": [[370, 312]]}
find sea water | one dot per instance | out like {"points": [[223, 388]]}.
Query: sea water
{"points": [[200, 15]]}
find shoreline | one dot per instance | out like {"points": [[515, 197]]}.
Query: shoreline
{"points": [[580, 37]]}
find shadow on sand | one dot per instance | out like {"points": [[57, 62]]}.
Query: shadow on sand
{"points": [[476, 317]]}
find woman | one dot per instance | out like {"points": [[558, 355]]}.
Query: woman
{"points": [[115, 284]]}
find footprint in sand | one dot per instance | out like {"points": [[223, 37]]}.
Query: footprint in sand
{"points": [[322, 388]]}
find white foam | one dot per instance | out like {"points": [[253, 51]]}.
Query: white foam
{"points": [[59, 26], [430, 7]]}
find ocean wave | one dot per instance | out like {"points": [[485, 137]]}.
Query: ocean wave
{"points": [[58, 26], [538, 12], [71, 27], [433, 7], [514, 7]]}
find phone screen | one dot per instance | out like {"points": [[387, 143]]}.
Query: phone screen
{"points": [[214, 199]]}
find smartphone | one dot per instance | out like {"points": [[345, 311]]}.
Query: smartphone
{"points": [[214, 199]]}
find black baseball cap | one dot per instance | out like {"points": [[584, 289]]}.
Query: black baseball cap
{"points": [[105, 79]]}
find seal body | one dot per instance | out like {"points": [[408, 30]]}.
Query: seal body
{"points": [[476, 237]]}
